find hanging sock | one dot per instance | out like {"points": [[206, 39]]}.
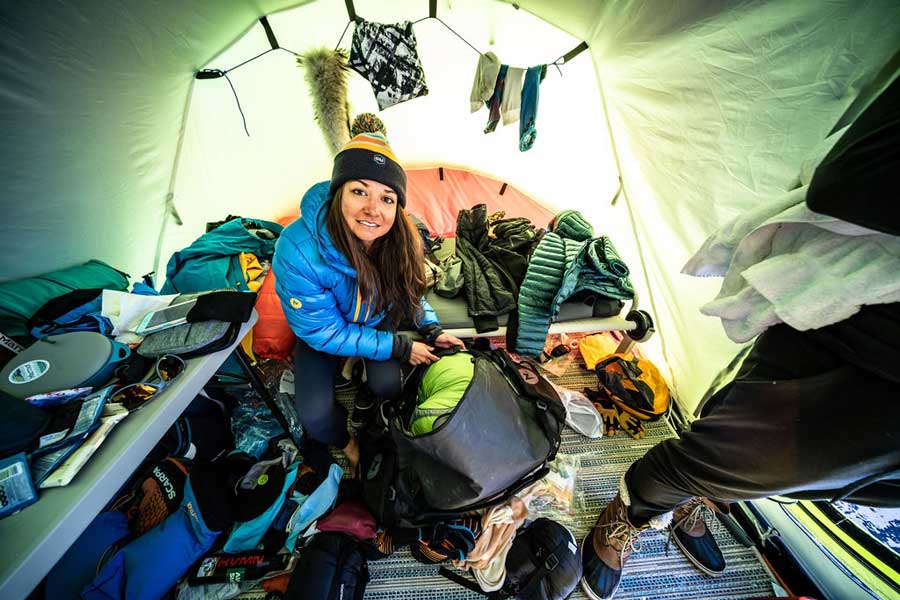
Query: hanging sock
{"points": [[485, 81], [494, 103], [386, 55], [530, 94], [512, 95]]}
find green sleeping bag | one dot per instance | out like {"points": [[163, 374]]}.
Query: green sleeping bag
{"points": [[443, 384]]}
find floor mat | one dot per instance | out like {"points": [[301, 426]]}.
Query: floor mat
{"points": [[650, 573]]}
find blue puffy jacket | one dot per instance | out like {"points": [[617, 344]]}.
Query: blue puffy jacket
{"points": [[320, 292]]}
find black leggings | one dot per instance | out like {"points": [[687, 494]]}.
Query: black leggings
{"points": [[324, 419]]}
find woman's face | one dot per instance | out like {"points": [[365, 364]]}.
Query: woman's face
{"points": [[369, 209]]}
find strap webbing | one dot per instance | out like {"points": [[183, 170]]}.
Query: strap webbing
{"points": [[269, 33]]}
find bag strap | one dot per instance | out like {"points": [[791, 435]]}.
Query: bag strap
{"points": [[550, 562], [467, 583], [511, 370], [500, 498]]}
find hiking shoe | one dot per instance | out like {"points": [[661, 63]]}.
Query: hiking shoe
{"points": [[356, 370], [693, 537], [606, 548], [364, 407]]}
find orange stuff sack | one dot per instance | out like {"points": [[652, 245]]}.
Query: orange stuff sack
{"points": [[272, 336], [635, 385]]}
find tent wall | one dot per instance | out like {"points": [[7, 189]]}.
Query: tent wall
{"points": [[715, 107], [91, 99]]}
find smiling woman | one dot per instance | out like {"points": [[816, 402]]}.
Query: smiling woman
{"points": [[369, 209], [349, 272]]}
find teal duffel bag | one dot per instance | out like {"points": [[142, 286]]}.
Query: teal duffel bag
{"points": [[21, 298]]}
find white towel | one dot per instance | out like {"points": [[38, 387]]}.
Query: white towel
{"points": [[783, 263], [485, 80], [512, 95]]}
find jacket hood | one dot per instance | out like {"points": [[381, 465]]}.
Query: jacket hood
{"points": [[313, 210]]}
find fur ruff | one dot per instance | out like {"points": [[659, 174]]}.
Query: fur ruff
{"points": [[326, 75]]}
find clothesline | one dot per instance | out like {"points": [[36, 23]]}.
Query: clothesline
{"points": [[559, 61], [273, 42]]}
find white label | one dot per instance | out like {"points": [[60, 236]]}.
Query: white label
{"points": [[52, 438], [29, 371]]}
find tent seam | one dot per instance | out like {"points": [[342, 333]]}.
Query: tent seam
{"points": [[169, 208], [634, 231]]}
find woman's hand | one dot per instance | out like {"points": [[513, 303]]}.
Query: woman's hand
{"points": [[421, 354], [445, 340]]}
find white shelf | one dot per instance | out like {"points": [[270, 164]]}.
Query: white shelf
{"points": [[36, 538]]}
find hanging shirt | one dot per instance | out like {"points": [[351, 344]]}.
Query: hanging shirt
{"points": [[386, 55]]}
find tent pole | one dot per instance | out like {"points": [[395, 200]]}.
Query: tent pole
{"points": [[169, 209]]}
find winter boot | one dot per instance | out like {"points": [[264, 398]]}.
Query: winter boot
{"points": [[692, 535], [609, 544]]}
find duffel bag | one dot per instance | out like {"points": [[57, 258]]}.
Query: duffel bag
{"points": [[496, 441]]}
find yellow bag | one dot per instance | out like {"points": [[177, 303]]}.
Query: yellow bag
{"points": [[595, 348], [635, 385]]}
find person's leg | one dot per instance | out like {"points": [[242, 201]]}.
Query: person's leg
{"points": [[384, 378], [793, 422], [323, 419], [812, 435]]}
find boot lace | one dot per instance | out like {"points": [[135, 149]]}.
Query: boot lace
{"points": [[696, 509], [621, 535]]}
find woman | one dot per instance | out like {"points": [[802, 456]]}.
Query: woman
{"points": [[348, 273]]}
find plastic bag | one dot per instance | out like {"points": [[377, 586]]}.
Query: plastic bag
{"points": [[580, 412], [253, 427], [554, 495]]}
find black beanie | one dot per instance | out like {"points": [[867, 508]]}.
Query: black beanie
{"points": [[369, 156]]}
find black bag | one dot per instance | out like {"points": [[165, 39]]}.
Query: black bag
{"points": [[497, 441], [55, 317], [544, 563], [332, 566]]}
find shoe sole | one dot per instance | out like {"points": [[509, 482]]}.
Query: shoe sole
{"points": [[590, 593], [694, 561], [584, 584]]}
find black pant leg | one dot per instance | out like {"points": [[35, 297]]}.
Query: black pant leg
{"points": [[809, 437], [323, 419]]}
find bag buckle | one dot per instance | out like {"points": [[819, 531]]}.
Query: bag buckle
{"points": [[551, 562], [541, 404], [392, 494]]}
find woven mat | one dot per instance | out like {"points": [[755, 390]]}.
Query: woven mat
{"points": [[650, 573]]}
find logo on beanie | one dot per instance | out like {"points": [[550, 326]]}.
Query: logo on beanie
{"points": [[379, 159], [295, 303]]}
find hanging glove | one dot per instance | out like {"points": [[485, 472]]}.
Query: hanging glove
{"points": [[630, 424]]}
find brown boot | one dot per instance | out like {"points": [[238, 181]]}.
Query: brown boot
{"points": [[606, 548], [692, 536]]}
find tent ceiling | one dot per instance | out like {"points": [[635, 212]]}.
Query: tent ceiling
{"points": [[714, 107]]}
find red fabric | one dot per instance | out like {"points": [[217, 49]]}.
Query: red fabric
{"points": [[272, 336], [350, 517], [437, 202]]}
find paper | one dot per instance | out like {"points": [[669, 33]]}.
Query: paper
{"points": [[64, 474], [126, 311]]}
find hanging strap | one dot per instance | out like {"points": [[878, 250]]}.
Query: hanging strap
{"points": [[466, 582], [269, 33], [351, 12]]}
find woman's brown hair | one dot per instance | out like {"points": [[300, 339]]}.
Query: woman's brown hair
{"points": [[392, 274]]}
